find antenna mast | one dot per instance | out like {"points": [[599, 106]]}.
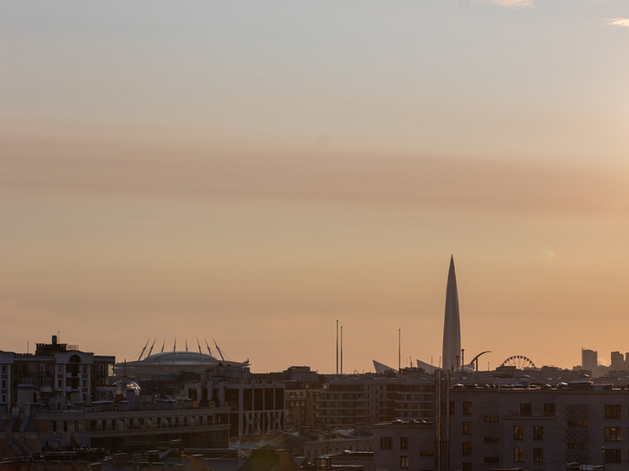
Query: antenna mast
{"points": [[399, 350], [337, 346], [341, 349]]}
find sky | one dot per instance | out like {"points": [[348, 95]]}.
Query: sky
{"points": [[252, 172]]}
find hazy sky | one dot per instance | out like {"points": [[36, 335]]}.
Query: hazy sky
{"points": [[253, 171]]}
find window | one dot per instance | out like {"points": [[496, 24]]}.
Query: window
{"points": [[386, 443], [42, 369], [4, 369], [492, 439], [452, 408], [612, 411], [538, 455], [518, 432], [467, 408], [577, 423], [4, 384], [425, 453], [549, 409], [491, 459], [538, 432], [612, 434], [467, 428], [403, 443], [525, 408], [491, 418], [32, 367], [518, 454], [403, 462], [612, 455], [467, 467], [467, 448]]}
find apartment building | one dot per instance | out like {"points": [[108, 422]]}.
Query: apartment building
{"points": [[54, 370], [369, 400], [533, 427]]}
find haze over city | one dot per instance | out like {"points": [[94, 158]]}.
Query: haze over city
{"points": [[252, 172]]}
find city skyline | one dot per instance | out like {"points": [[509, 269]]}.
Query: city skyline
{"points": [[253, 172]]}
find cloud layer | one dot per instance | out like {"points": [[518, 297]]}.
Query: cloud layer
{"points": [[618, 22], [378, 181]]}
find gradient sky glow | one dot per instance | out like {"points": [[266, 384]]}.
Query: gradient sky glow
{"points": [[253, 171]]}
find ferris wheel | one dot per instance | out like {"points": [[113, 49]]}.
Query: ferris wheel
{"points": [[519, 361]]}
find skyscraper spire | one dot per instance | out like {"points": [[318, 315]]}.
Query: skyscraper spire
{"points": [[452, 324]]}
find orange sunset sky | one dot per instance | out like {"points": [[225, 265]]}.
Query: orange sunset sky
{"points": [[254, 171]]}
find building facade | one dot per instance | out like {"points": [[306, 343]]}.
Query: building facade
{"points": [[255, 407], [37, 429], [345, 402], [55, 370]]}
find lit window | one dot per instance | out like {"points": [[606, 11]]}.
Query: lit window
{"points": [[518, 432], [612, 434], [538, 432], [518, 454]]}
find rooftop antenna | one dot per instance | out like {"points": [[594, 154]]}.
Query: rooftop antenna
{"points": [[399, 350], [27, 347], [219, 350], [208, 347], [163, 343], [151, 350], [341, 349], [175, 346], [186, 345], [337, 346]]}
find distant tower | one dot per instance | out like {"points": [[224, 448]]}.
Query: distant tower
{"points": [[589, 359], [452, 324]]}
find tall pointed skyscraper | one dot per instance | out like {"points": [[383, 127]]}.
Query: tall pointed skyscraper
{"points": [[452, 326]]}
